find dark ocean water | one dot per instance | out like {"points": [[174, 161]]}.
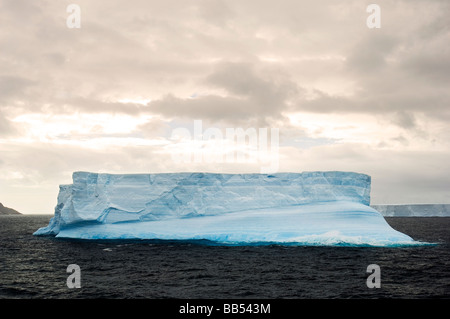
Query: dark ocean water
{"points": [[35, 267]]}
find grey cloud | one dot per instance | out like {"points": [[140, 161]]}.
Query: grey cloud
{"points": [[251, 95], [6, 127], [13, 87], [405, 120], [216, 12], [244, 79], [431, 62], [205, 107], [326, 103], [368, 55], [399, 108], [20, 10], [438, 25], [396, 74], [237, 78]]}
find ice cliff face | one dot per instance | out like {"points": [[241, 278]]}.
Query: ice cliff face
{"points": [[227, 208]]}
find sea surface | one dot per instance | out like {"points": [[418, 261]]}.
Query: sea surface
{"points": [[36, 267]]}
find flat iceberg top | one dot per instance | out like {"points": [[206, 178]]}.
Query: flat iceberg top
{"points": [[226, 208]]}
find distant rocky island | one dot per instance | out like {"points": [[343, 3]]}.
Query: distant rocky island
{"points": [[7, 211]]}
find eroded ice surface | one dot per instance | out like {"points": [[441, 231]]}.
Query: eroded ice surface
{"points": [[317, 208]]}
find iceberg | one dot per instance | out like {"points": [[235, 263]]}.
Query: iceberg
{"points": [[309, 208], [414, 210]]}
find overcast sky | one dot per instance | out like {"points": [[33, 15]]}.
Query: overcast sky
{"points": [[107, 97]]}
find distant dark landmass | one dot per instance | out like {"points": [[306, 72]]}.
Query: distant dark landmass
{"points": [[7, 211], [414, 210]]}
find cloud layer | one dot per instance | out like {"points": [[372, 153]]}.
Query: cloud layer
{"points": [[107, 96]]}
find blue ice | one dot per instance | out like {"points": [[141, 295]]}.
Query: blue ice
{"points": [[310, 208]]}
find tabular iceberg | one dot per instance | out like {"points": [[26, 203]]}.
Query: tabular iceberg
{"points": [[414, 210], [310, 208]]}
